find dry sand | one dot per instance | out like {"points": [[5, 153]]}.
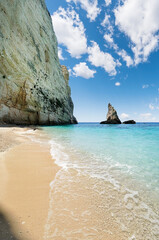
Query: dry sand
{"points": [[26, 170]]}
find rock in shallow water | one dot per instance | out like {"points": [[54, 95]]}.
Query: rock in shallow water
{"points": [[33, 89], [112, 116], [129, 122]]}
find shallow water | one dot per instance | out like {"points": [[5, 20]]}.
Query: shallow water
{"points": [[108, 185]]}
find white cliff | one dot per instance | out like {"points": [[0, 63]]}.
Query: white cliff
{"points": [[33, 89]]}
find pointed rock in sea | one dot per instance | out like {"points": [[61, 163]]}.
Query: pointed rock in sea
{"points": [[112, 116]]}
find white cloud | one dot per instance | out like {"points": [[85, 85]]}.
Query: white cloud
{"points": [[60, 54], [117, 84], [139, 20], [102, 59], [106, 23], [124, 116], [146, 115], [108, 38], [145, 86], [125, 57], [154, 106], [70, 31], [108, 2], [70, 71], [82, 70], [151, 106], [90, 6]]}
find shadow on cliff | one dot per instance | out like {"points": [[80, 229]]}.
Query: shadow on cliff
{"points": [[6, 232]]}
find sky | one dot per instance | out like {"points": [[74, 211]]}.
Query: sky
{"points": [[111, 49]]}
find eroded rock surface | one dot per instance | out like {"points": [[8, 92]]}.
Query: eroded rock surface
{"points": [[112, 116], [129, 122], [33, 89]]}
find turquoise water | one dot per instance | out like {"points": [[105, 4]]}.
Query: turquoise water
{"points": [[125, 156], [134, 148]]}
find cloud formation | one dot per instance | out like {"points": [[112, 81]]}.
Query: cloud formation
{"points": [[151, 106], [117, 84], [139, 20], [145, 86], [108, 2], [145, 115], [90, 6], [60, 54], [70, 31], [107, 24], [108, 38], [82, 70], [125, 57], [124, 116], [102, 59]]}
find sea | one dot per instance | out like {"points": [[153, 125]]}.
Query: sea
{"points": [[107, 187]]}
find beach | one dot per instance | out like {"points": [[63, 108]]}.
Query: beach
{"points": [[56, 183], [26, 170], [79, 120]]}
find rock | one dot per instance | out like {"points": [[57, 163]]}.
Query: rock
{"points": [[65, 73], [33, 87], [129, 122], [112, 116]]}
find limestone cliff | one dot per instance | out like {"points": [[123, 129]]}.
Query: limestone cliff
{"points": [[112, 116], [33, 89]]}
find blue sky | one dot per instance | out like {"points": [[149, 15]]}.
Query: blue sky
{"points": [[111, 50]]}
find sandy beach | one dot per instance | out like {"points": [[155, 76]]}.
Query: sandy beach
{"points": [[36, 205], [26, 198], [26, 170]]}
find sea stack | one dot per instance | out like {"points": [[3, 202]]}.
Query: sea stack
{"points": [[33, 86], [129, 122], [112, 116]]}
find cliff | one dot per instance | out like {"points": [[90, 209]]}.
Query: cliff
{"points": [[33, 88]]}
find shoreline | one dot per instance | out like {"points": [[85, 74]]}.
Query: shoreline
{"points": [[26, 171], [41, 200]]}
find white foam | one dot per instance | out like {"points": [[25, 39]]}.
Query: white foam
{"points": [[84, 164], [58, 154], [131, 195], [132, 237]]}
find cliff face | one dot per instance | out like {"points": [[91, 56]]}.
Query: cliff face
{"points": [[33, 88]]}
